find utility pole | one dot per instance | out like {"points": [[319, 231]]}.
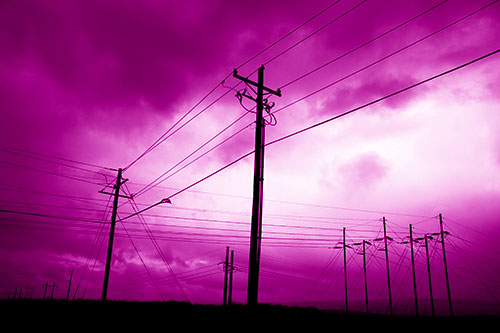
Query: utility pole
{"points": [[345, 271], [69, 285], [46, 285], [119, 183], [226, 268], [387, 261], [364, 272], [429, 273], [230, 294], [258, 184], [413, 268], [53, 286], [445, 265]]}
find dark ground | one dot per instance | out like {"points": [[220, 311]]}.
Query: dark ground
{"points": [[179, 317]]}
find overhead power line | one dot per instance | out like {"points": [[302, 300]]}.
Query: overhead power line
{"points": [[288, 34], [363, 45], [322, 123], [315, 32], [166, 135], [449, 25]]}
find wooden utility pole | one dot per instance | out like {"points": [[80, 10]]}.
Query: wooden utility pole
{"points": [[345, 271], [231, 267], [46, 285], [445, 265], [387, 262], [69, 285], [364, 272], [226, 268], [413, 269], [119, 183], [258, 184], [53, 286], [429, 273]]}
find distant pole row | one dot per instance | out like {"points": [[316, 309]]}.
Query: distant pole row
{"points": [[411, 241]]}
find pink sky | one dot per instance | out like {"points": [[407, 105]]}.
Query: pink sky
{"points": [[99, 82]]}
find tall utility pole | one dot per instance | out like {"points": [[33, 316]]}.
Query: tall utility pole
{"points": [[345, 271], [69, 285], [226, 268], [364, 272], [53, 286], [387, 261], [230, 291], [445, 265], [119, 183], [45, 286], [429, 273], [258, 185], [413, 268]]}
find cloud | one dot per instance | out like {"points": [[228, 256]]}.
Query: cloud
{"points": [[364, 170]]}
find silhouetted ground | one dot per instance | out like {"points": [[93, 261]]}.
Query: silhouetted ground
{"points": [[179, 317]]}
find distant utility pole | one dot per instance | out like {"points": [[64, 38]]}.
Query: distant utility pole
{"points": [[231, 267], [119, 183], [426, 237], [53, 286], [345, 271], [413, 269], [364, 272], [46, 285], [445, 265], [387, 261], [69, 285], [226, 268], [258, 184]]}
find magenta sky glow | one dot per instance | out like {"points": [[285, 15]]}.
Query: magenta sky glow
{"points": [[87, 86]]}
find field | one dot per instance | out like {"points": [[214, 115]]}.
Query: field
{"points": [[175, 316]]}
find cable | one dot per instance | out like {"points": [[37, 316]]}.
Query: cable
{"points": [[387, 56], [152, 185], [288, 33], [384, 97], [315, 32], [327, 121], [12, 149], [163, 137], [157, 247], [363, 45], [47, 172]]}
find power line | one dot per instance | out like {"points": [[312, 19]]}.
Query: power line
{"points": [[152, 184], [289, 33], [24, 152], [322, 123], [15, 165], [165, 136], [384, 97], [362, 45], [315, 32], [385, 57]]}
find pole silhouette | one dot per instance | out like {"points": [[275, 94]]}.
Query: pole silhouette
{"points": [[119, 182], [445, 265], [69, 285], [258, 185], [226, 272], [364, 273], [230, 291], [429, 273], [388, 274], [413, 269], [345, 271]]}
